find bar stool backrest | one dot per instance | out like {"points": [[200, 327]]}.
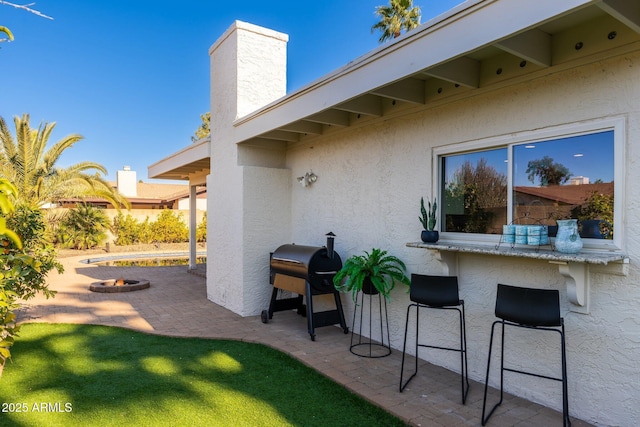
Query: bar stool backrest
{"points": [[434, 291], [528, 306]]}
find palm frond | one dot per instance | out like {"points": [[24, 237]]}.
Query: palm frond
{"points": [[53, 154], [398, 16], [26, 161]]}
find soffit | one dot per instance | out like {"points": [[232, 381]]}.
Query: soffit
{"points": [[477, 46], [184, 165]]}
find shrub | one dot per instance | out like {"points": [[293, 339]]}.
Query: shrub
{"points": [[201, 230], [169, 228], [126, 229], [23, 268], [146, 232], [29, 224], [54, 229], [84, 227]]}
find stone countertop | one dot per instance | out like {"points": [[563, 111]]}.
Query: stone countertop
{"points": [[541, 253]]}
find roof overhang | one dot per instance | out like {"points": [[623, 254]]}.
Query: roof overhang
{"points": [[189, 164], [478, 45]]}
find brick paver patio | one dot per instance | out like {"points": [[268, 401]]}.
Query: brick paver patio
{"points": [[176, 305]]}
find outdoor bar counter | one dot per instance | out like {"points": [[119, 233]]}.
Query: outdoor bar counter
{"points": [[575, 268]]}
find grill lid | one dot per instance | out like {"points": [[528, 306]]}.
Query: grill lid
{"points": [[304, 262]]}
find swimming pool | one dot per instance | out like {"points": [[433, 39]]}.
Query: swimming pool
{"points": [[146, 260]]}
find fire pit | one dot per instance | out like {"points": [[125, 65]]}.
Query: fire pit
{"points": [[119, 285]]}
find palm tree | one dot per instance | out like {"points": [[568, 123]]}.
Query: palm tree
{"points": [[26, 164], [398, 16]]}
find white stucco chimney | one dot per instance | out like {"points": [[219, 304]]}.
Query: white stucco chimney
{"points": [[126, 182], [248, 71]]}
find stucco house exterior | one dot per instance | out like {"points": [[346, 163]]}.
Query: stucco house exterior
{"points": [[484, 84]]}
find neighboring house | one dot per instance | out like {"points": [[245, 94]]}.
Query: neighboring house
{"points": [[487, 82], [556, 201], [142, 195], [149, 199]]}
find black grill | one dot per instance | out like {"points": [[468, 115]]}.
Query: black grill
{"points": [[305, 271]]}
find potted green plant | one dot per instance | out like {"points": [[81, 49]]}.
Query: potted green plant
{"points": [[371, 273], [428, 219]]}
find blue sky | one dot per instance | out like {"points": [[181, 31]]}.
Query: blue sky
{"points": [[132, 76], [589, 155]]}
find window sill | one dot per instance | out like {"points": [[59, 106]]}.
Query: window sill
{"points": [[575, 268]]}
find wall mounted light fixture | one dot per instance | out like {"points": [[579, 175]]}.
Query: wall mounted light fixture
{"points": [[308, 179]]}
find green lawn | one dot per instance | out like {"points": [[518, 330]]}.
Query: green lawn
{"points": [[82, 375]]}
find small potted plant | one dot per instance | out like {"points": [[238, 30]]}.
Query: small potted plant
{"points": [[371, 273], [428, 220]]}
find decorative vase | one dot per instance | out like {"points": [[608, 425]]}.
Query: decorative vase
{"points": [[568, 239], [430, 236]]}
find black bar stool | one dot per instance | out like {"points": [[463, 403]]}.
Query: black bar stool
{"points": [[534, 309], [439, 292]]}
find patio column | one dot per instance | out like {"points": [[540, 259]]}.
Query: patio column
{"points": [[193, 225]]}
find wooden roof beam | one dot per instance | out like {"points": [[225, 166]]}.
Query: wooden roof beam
{"points": [[625, 11], [303, 127], [462, 71], [366, 104], [259, 142], [533, 46], [281, 135], [408, 90], [330, 117]]}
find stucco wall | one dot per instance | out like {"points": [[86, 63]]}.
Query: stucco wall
{"points": [[248, 205], [370, 181], [201, 204]]}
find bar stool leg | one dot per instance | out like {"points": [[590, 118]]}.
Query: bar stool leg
{"points": [[486, 383], [404, 347], [464, 372], [566, 421], [565, 394]]}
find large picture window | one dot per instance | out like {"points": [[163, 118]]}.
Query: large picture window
{"points": [[536, 177]]}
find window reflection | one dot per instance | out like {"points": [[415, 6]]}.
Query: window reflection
{"points": [[474, 191], [562, 178], [567, 178]]}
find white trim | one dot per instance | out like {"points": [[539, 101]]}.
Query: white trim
{"points": [[617, 124], [199, 150]]}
